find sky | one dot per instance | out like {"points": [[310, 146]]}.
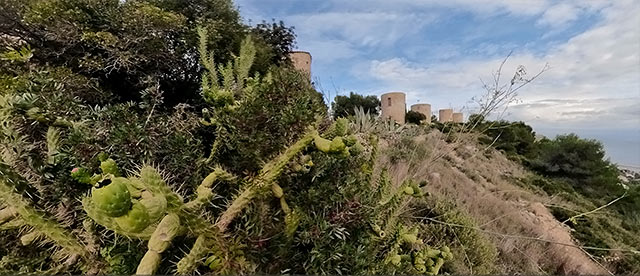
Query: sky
{"points": [[440, 52]]}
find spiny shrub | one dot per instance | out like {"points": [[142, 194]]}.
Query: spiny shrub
{"points": [[480, 254], [308, 201], [280, 106]]}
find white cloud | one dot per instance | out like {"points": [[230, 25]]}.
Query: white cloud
{"points": [[592, 73], [595, 75], [589, 113], [479, 7], [332, 36], [559, 15]]}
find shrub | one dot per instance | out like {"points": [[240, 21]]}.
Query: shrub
{"points": [[274, 42], [119, 44], [480, 252], [414, 117], [579, 161], [344, 106], [514, 138], [299, 197]]}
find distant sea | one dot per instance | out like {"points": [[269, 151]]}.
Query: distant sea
{"points": [[621, 145]]}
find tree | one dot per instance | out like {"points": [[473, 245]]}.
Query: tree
{"points": [[570, 156], [344, 106], [277, 39], [512, 137], [414, 117], [122, 44], [579, 161]]}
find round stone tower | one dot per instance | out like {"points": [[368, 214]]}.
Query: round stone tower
{"points": [[394, 106], [302, 61], [458, 117], [424, 109], [446, 115]]}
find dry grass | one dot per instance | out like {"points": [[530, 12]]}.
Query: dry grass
{"points": [[479, 182]]}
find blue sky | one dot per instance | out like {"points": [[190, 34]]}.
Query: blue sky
{"points": [[439, 51]]}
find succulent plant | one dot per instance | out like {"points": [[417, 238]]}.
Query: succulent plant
{"points": [[322, 144], [21, 214], [156, 205], [82, 175], [277, 190], [131, 206], [337, 145], [109, 166], [113, 199], [337, 129], [136, 220]]}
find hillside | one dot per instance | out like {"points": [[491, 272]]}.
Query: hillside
{"points": [[489, 189], [170, 137]]}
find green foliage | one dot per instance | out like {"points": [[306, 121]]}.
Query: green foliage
{"points": [[281, 105], [32, 218], [580, 162], [476, 120], [344, 106], [414, 117], [119, 44], [571, 156], [514, 138], [121, 256], [99, 110], [573, 161], [605, 231], [23, 54], [278, 41]]}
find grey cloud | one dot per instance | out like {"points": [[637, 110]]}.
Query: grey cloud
{"points": [[582, 113]]}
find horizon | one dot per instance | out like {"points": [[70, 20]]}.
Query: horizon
{"points": [[438, 53]]}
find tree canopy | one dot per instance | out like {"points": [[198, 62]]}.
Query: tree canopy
{"points": [[512, 137], [573, 157], [124, 44], [344, 106]]}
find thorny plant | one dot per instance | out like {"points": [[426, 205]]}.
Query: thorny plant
{"points": [[142, 205]]}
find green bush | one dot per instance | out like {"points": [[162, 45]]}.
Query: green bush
{"points": [[580, 162], [514, 138], [299, 196], [280, 110], [414, 117], [344, 106], [481, 252], [119, 44]]}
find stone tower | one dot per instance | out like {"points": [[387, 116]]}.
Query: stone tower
{"points": [[446, 115], [394, 106], [458, 117], [302, 61], [424, 109]]}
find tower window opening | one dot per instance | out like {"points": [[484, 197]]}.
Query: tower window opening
{"points": [[389, 101]]}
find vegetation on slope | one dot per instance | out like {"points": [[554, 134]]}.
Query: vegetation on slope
{"points": [[576, 170], [162, 136], [166, 136]]}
